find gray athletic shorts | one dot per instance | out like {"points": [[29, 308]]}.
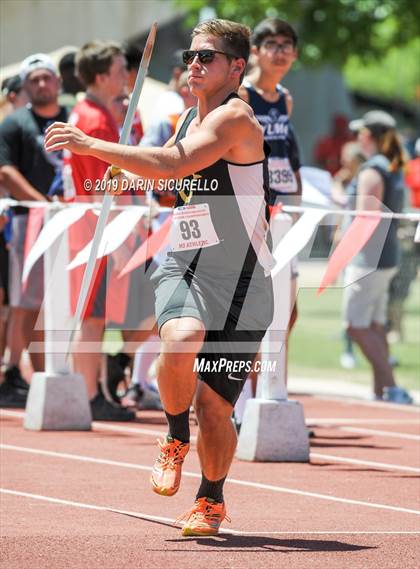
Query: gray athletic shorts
{"points": [[366, 296], [31, 295], [235, 324]]}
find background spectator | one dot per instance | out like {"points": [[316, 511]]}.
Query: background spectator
{"points": [[12, 90], [27, 172], [71, 86], [327, 151], [379, 182]]}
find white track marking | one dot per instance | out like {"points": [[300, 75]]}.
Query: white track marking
{"points": [[379, 404], [141, 515], [82, 458], [335, 458], [97, 426], [375, 432], [314, 421], [310, 421], [249, 484]]}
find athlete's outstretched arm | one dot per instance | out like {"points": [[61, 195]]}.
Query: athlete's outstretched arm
{"points": [[220, 132]]}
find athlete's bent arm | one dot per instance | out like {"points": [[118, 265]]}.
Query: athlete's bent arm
{"points": [[370, 190], [220, 132]]}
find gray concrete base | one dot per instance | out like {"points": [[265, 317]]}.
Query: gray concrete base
{"points": [[273, 431], [57, 402]]}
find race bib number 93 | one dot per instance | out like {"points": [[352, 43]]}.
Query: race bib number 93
{"points": [[192, 228]]}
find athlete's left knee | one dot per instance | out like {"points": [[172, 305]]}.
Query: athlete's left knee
{"points": [[212, 410]]}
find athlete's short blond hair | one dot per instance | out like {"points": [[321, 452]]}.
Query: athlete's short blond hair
{"points": [[235, 37]]}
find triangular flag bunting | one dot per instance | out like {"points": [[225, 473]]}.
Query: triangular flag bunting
{"points": [[353, 241], [154, 243]]}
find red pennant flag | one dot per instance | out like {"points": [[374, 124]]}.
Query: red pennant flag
{"points": [[355, 238], [33, 229], [275, 209], [80, 234], [154, 243]]}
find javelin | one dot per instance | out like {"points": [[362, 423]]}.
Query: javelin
{"points": [[108, 198]]}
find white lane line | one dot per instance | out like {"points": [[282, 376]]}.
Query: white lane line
{"points": [[314, 421], [375, 432], [380, 465], [102, 427], [249, 484], [310, 421], [378, 404], [97, 426], [141, 515], [334, 458], [82, 458]]}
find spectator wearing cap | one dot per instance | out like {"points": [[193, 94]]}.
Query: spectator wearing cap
{"points": [[27, 171], [378, 186]]}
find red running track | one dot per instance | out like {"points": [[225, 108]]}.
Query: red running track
{"points": [[82, 500]]}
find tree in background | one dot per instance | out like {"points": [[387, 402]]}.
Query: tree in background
{"points": [[355, 32], [330, 30]]}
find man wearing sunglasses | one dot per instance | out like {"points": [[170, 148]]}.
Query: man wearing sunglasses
{"points": [[214, 297]]}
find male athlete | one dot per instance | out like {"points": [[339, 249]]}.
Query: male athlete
{"points": [[214, 297]]}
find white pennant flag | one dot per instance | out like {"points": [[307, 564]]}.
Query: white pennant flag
{"points": [[417, 235], [296, 239], [115, 233], [49, 233]]}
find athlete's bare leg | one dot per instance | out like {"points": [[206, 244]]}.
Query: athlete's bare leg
{"points": [[216, 442], [181, 340]]}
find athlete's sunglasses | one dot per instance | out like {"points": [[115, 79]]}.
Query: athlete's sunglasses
{"points": [[204, 55]]}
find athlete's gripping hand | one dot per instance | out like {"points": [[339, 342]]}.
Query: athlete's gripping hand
{"points": [[118, 181], [62, 135]]}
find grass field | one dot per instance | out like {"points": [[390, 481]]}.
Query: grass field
{"points": [[316, 342]]}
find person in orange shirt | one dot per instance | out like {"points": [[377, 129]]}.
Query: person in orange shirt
{"points": [[412, 176]]}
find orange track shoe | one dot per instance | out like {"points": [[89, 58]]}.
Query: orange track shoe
{"points": [[166, 473], [204, 518]]}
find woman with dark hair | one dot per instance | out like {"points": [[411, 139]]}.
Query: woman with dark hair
{"points": [[378, 186]]}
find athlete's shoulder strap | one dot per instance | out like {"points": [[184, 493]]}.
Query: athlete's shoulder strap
{"points": [[232, 95], [192, 113]]}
